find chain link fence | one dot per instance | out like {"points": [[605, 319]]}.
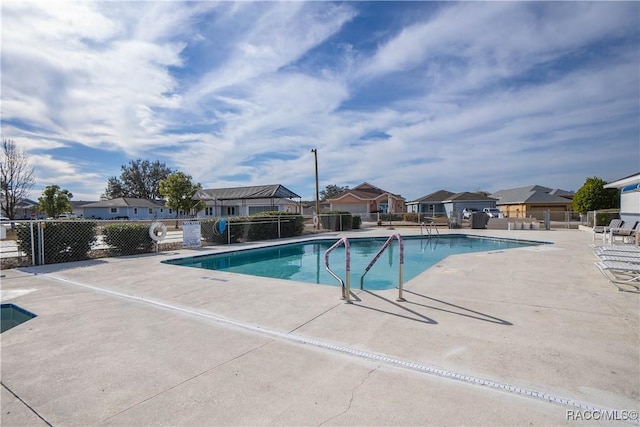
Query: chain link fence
{"points": [[40, 242]]}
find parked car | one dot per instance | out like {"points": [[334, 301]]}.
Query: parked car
{"points": [[493, 212], [466, 213], [66, 216]]}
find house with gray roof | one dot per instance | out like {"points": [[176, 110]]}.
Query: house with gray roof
{"points": [[466, 200], [443, 202], [431, 204], [24, 208], [128, 208], [243, 201], [532, 201]]}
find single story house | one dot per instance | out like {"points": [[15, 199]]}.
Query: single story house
{"points": [[629, 198], [460, 201], [365, 199], [127, 208], [243, 201], [24, 209], [532, 201], [77, 207], [430, 204]]}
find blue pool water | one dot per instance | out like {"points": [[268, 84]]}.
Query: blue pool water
{"points": [[304, 261]]}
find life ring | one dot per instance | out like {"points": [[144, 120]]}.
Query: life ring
{"points": [[157, 231], [315, 220], [222, 225]]}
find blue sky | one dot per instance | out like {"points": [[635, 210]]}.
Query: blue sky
{"points": [[412, 97]]}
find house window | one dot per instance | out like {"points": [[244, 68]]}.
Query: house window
{"points": [[161, 210], [150, 211], [231, 210], [257, 209], [383, 207], [208, 211], [135, 211], [113, 210]]}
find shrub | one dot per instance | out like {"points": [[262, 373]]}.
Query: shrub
{"points": [[356, 221], [211, 234], [128, 238], [604, 217], [410, 217], [336, 220], [261, 226], [65, 241]]}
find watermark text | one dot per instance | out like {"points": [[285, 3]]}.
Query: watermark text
{"points": [[601, 415]]}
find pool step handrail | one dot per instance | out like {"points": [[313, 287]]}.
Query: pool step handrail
{"points": [[400, 265], [430, 227], [345, 284]]}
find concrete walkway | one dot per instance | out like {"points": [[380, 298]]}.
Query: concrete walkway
{"points": [[528, 336]]}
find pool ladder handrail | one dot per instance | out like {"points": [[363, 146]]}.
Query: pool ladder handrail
{"points": [[345, 284], [400, 265], [430, 226]]}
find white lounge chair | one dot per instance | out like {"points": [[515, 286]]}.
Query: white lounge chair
{"points": [[621, 274], [604, 230], [616, 248], [623, 233], [617, 257]]}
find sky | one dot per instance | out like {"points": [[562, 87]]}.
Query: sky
{"points": [[412, 97]]}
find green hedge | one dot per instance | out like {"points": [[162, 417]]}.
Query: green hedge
{"points": [[261, 226], [604, 217], [65, 241], [356, 222], [128, 238], [337, 220]]}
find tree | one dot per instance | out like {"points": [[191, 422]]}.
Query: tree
{"points": [[55, 201], [331, 191], [593, 196], [178, 191], [140, 179], [16, 177]]}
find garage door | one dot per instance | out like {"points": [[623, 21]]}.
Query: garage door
{"points": [[354, 209]]}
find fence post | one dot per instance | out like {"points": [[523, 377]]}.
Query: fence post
{"points": [[33, 244], [41, 227], [547, 219]]}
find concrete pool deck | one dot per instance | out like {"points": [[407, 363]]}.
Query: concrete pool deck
{"points": [[527, 336]]}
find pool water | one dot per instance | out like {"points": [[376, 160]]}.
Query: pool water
{"points": [[11, 316], [304, 261]]}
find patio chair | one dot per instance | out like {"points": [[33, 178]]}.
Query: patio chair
{"points": [[629, 258], [604, 230], [621, 274], [624, 233], [614, 248]]}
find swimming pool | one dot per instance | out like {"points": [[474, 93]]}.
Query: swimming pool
{"points": [[304, 261]]}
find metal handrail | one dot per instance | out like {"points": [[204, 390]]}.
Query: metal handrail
{"points": [[400, 266], [432, 225], [345, 284]]}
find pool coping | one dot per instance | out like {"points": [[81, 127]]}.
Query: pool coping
{"points": [[568, 295]]}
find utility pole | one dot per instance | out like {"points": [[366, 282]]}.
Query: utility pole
{"points": [[315, 154]]}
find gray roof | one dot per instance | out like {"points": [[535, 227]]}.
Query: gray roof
{"points": [[530, 194], [436, 196], [124, 202], [276, 191], [469, 197]]}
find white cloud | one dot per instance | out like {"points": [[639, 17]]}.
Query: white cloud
{"points": [[237, 93]]}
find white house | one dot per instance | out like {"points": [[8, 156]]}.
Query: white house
{"points": [[244, 201], [629, 197]]}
